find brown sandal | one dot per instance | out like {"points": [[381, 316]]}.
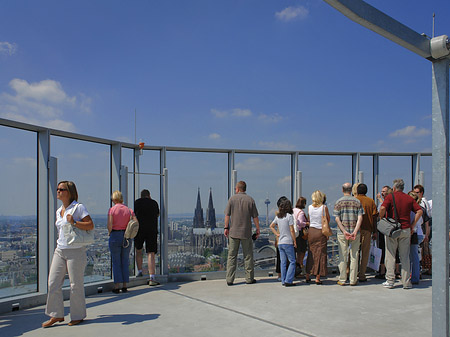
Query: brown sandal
{"points": [[52, 321]]}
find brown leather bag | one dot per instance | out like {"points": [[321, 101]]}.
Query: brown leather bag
{"points": [[326, 230]]}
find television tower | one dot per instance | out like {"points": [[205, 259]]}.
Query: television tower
{"points": [[267, 202]]}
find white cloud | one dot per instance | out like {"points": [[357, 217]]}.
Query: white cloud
{"points": [[25, 161], [254, 164], [214, 136], [46, 90], [42, 103], [7, 48], [285, 180], [282, 146], [292, 13], [124, 139], [410, 131], [237, 112], [274, 118]]}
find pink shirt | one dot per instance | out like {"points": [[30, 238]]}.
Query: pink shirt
{"points": [[300, 218], [121, 216]]}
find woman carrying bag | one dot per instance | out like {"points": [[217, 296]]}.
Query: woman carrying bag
{"points": [[118, 217], [316, 263], [68, 258]]}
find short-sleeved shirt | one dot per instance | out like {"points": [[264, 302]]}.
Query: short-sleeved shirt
{"points": [[348, 209], [284, 228], [370, 210], [121, 216], [147, 212], [241, 208], [405, 205], [78, 212]]}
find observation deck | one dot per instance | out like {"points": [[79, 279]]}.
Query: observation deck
{"points": [[211, 308], [199, 308]]}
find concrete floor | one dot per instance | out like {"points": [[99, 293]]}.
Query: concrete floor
{"points": [[211, 308]]}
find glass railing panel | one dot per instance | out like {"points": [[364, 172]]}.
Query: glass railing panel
{"points": [[268, 177], [426, 167], [366, 166], [327, 174], [393, 167], [128, 195], [196, 240], [87, 164], [18, 212]]}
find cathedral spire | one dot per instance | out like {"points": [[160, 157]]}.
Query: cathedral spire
{"points": [[198, 213], [210, 212]]}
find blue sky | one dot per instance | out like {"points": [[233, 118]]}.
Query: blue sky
{"points": [[293, 75], [256, 74]]}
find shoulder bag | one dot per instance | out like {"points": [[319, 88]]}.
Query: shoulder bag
{"points": [[388, 226], [75, 235], [326, 230], [131, 231]]}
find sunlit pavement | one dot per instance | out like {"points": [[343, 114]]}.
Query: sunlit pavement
{"points": [[211, 308]]}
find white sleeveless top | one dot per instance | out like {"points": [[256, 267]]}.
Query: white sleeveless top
{"points": [[315, 216]]}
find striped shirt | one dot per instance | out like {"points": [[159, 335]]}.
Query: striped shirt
{"points": [[348, 209]]}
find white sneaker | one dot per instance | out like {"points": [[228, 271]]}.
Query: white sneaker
{"points": [[388, 285]]}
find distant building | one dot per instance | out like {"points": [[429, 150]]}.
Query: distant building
{"points": [[206, 238], [210, 213], [198, 213]]}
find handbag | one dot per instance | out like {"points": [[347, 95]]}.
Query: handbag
{"points": [[75, 235], [374, 256], [426, 257], [388, 226], [326, 230], [131, 231], [305, 231]]}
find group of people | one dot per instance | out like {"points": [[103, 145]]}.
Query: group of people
{"points": [[296, 234], [356, 216], [70, 258]]}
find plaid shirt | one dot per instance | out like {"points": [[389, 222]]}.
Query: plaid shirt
{"points": [[348, 209]]}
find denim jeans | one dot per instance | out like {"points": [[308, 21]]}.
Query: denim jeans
{"points": [[415, 261], [119, 257], [287, 253]]}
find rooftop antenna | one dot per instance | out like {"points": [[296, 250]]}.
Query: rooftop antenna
{"points": [[434, 16], [134, 125]]}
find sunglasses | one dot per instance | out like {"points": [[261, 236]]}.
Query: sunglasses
{"points": [[61, 189]]}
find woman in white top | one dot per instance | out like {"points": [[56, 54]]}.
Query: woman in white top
{"points": [[316, 263], [70, 259], [286, 241], [416, 239]]}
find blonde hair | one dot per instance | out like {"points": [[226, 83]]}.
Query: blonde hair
{"points": [[355, 189], [317, 198], [117, 197]]}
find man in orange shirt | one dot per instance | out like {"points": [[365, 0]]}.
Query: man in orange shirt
{"points": [[368, 228]]}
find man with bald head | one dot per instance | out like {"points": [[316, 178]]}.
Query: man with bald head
{"points": [[348, 213]]}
